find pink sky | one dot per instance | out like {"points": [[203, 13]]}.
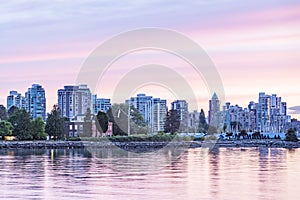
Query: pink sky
{"points": [[255, 46]]}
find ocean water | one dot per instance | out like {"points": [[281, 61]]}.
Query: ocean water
{"points": [[224, 173]]}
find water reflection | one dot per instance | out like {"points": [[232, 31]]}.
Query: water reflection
{"points": [[224, 173], [214, 172]]}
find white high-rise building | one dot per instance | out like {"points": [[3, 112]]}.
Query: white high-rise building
{"points": [[74, 100], [263, 114], [159, 113], [153, 110]]}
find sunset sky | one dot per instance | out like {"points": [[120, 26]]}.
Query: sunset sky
{"points": [[255, 45]]}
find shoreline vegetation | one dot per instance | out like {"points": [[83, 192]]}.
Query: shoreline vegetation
{"points": [[143, 146]]}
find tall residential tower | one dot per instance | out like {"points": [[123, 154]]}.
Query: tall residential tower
{"points": [[35, 101], [74, 100]]}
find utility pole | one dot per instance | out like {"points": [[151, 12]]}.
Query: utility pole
{"points": [[128, 121]]}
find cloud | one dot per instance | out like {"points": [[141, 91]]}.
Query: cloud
{"points": [[295, 110]]}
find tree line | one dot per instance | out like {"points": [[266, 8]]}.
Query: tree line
{"points": [[18, 122]]}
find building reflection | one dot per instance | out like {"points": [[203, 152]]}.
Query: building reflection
{"points": [[214, 161], [272, 167]]}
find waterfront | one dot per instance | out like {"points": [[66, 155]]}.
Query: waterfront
{"points": [[146, 146], [224, 173]]}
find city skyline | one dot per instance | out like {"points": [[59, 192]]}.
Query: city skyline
{"points": [[103, 103], [268, 114], [254, 45]]}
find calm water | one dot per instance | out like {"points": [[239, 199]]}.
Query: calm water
{"points": [[226, 173]]}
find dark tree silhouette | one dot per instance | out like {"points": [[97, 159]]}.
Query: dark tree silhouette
{"points": [[102, 122], [203, 126], [291, 135], [21, 122], [38, 129], [3, 113], [243, 133], [12, 110], [55, 124], [172, 122]]}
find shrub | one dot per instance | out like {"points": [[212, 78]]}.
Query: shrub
{"points": [[291, 136], [211, 137]]}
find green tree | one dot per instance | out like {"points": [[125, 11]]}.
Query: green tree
{"points": [[138, 124], [137, 117], [102, 124], [3, 113], [12, 110], [38, 129], [243, 133], [6, 128], [203, 126], [291, 136], [172, 122], [21, 122], [55, 124], [87, 126]]}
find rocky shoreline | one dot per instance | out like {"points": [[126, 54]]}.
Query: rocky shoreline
{"points": [[145, 145]]}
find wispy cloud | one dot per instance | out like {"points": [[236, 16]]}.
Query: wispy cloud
{"points": [[295, 110], [254, 44]]}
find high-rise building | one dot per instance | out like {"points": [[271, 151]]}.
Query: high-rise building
{"points": [[277, 113], [143, 104], [100, 104], [263, 117], [159, 113], [182, 108], [14, 99], [193, 124], [74, 100], [35, 101], [153, 110], [214, 111], [268, 115]]}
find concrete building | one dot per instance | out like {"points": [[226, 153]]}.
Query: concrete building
{"points": [[182, 108], [214, 115], [263, 114], [100, 104], [193, 123], [74, 100], [159, 113], [143, 104], [15, 99], [153, 110], [35, 101], [268, 115], [75, 128]]}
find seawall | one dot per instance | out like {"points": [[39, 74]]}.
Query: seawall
{"points": [[145, 145]]}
